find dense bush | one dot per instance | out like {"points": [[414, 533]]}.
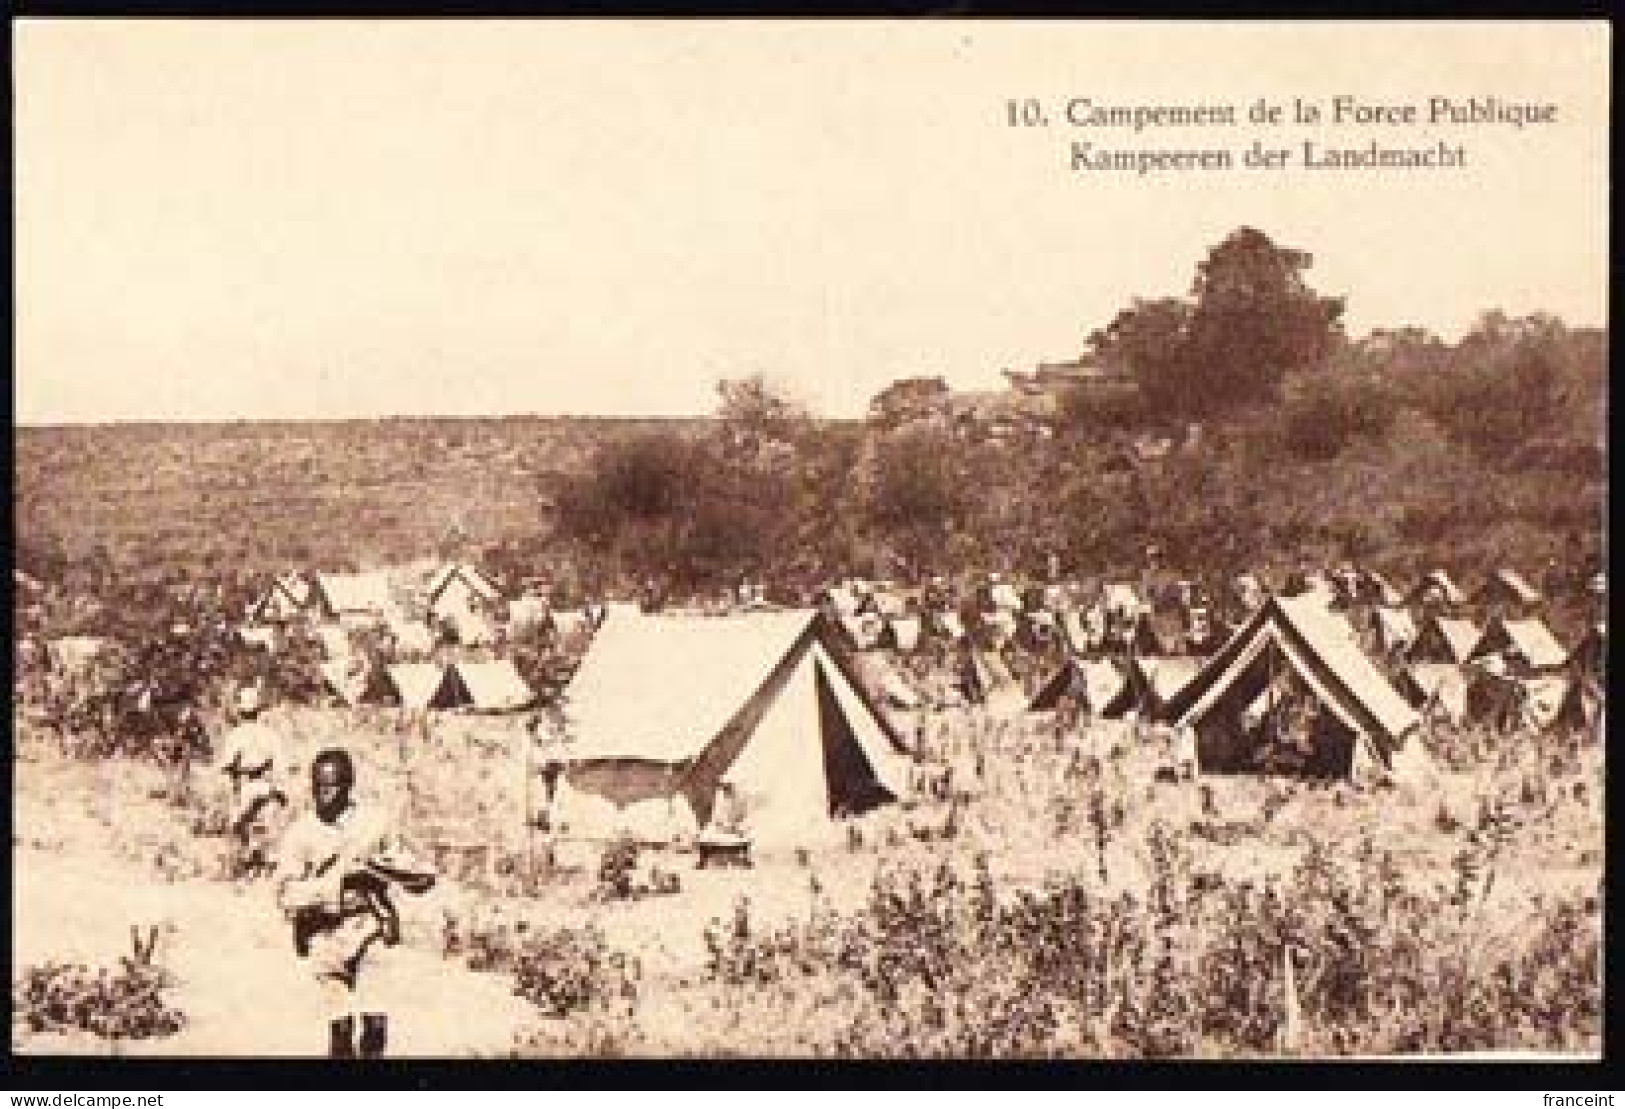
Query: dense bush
{"points": [[123, 1004], [1193, 966], [1329, 415]]}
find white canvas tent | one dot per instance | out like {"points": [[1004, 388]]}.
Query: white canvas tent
{"points": [[1149, 682], [426, 685], [1344, 717], [1444, 640], [673, 706], [905, 632], [1528, 644], [1437, 689], [494, 686], [284, 599], [457, 587], [1393, 630], [351, 598], [1094, 682]]}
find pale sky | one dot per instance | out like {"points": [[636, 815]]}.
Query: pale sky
{"points": [[340, 219]]}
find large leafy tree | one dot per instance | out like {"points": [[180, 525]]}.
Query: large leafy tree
{"points": [[1252, 322]]}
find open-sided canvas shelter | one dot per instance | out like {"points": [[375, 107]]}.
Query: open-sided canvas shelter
{"points": [[670, 707], [1292, 692]]}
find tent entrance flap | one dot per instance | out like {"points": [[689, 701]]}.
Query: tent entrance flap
{"points": [[853, 785]]}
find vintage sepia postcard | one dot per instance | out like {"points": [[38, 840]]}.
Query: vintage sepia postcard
{"points": [[856, 540]]}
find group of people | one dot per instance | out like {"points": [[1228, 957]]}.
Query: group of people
{"points": [[338, 863]]}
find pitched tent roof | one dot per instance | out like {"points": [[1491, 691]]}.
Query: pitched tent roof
{"points": [[1300, 638], [905, 632], [765, 700], [284, 598], [1436, 689], [1440, 581], [494, 686], [1509, 585], [1443, 639], [476, 583], [411, 637], [1122, 598], [1377, 589], [1075, 627], [364, 593], [426, 685], [1395, 630], [1149, 683], [1094, 681], [1529, 640], [334, 641]]}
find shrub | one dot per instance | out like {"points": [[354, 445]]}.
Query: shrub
{"points": [[123, 1004], [569, 970]]}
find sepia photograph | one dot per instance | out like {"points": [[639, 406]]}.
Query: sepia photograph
{"points": [[841, 540]]}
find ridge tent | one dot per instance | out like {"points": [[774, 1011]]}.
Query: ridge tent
{"points": [[457, 587], [905, 632], [1340, 714], [334, 642], [1436, 689], [494, 686], [361, 597], [1080, 630], [1444, 640], [1375, 589], [1094, 682], [1149, 683], [426, 685], [1436, 586], [1393, 630], [668, 708], [1528, 645], [1508, 588], [951, 626], [411, 637], [284, 599]]}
